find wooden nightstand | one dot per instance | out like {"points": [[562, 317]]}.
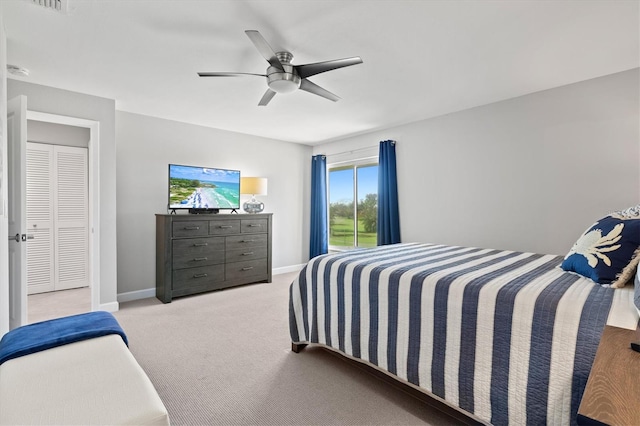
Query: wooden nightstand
{"points": [[613, 389]]}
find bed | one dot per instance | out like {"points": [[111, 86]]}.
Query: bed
{"points": [[504, 337]]}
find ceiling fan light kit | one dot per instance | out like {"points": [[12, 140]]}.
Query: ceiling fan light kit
{"points": [[283, 77]]}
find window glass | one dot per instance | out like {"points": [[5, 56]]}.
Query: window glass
{"points": [[341, 190], [353, 224], [367, 209]]}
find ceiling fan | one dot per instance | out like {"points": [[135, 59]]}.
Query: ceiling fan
{"points": [[282, 76]]}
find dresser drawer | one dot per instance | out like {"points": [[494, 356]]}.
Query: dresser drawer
{"points": [[239, 242], [194, 252], [197, 277], [246, 254], [242, 270], [190, 228], [224, 227], [250, 226]]}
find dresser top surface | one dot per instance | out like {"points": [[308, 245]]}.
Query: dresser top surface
{"points": [[215, 215]]}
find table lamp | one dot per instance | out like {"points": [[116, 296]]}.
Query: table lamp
{"points": [[253, 186]]}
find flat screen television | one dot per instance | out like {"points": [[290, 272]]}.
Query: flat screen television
{"points": [[203, 188]]}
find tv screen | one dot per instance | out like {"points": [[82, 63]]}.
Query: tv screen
{"points": [[192, 187]]}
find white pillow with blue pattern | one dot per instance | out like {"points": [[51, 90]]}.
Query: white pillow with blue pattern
{"points": [[609, 251]]}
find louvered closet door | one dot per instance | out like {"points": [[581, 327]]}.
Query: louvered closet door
{"points": [[71, 212], [40, 254]]}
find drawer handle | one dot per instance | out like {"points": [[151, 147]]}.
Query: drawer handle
{"points": [[254, 225], [191, 228], [247, 241], [249, 253], [225, 226], [199, 275], [199, 259], [200, 244], [247, 268]]}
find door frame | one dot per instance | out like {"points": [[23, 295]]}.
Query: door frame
{"points": [[94, 192]]}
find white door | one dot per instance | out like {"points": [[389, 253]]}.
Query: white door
{"points": [[57, 217], [17, 209], [71, 217], [40, 250]]}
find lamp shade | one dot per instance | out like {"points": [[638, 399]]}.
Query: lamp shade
{"points": [[253, 185]]}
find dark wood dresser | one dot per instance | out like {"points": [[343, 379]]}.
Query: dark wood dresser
{"points": [[198, 253], [612, 394]]}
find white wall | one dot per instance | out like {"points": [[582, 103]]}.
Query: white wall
{"points": [[528, 174], [145, 147], [62, 102], [4, 219]]}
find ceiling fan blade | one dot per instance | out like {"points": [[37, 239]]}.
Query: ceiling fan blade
{"points": [[307, 70], [268, 95], [263, 47], [227, 74], [310, 87]]}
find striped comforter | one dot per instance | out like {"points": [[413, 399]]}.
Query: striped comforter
{"points": [[505, 336]]}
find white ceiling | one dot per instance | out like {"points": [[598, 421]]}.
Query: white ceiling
{"points": [[421, 58]]}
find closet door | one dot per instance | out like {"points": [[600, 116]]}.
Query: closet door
{"points": [[71, 213], [40, 250]]}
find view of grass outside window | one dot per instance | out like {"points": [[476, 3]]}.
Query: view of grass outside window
{"points": [[353, 224]]}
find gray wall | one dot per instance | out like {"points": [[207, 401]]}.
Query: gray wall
{"points": [[62, 102], [57, 134], [528, 174], [145, 147]]}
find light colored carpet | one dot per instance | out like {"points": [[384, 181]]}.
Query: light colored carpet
{"points": [[224, 358], [56, 304]]}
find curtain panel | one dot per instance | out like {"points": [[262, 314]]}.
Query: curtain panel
{"points": [[319, 243], [388, 215]]}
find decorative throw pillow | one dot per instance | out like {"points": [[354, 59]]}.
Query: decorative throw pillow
{"points": [[630, 213], [609, 251]]}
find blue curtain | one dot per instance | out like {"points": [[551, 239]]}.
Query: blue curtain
{"points": [[319, 243], [388, 216]]}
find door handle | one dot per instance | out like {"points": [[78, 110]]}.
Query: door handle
{"points": [[21, 237]]}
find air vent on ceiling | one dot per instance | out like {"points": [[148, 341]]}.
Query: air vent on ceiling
{"points": [[16, 70], [57, 5]]}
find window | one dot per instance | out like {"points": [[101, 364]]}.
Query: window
{"points": [[353, 224]]}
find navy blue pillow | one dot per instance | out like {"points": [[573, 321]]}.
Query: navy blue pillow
{"points": [[607, 252]]}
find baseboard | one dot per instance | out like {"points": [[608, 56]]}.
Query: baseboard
{"points": [[138, 294], [109, 307], [287, 269]]}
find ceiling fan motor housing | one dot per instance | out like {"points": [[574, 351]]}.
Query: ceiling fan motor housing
{"points": [[285, 80]]}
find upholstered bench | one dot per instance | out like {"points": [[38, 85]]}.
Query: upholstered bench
{"points": [[92, 380]]}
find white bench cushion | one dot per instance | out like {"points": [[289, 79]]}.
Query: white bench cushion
{"points": [[95, 381]]}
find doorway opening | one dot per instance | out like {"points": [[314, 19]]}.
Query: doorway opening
{"points": [[57, 221], [71, 286]]}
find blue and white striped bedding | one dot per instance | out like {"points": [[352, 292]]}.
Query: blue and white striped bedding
{"points": [[507, 337]]}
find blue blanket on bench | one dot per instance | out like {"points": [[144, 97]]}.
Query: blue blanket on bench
{"points": [[44, 335]]}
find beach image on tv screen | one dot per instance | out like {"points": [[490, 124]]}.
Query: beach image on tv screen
{"points": [[203, 188]]}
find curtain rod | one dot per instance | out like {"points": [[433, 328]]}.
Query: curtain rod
{"points": [[357, 150], [353, 150]]}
